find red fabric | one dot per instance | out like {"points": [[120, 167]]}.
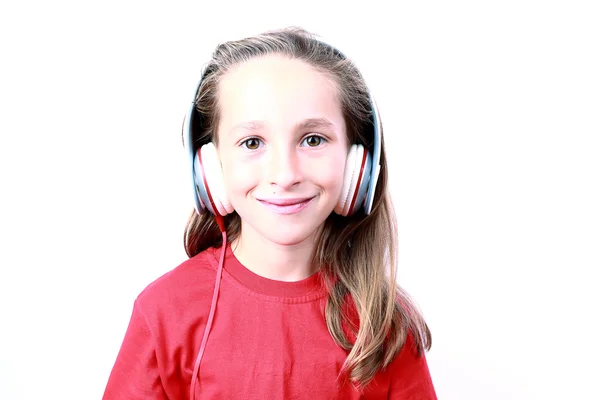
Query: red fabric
{"points": [[269, 340]]}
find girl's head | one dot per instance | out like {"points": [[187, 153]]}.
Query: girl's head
{"points": [[283, 109]]}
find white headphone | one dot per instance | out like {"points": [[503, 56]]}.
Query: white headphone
{"points": [[360, 175]]}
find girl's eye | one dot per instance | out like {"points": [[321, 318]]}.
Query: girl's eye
{"points": [[251, 143], [313, 140]]}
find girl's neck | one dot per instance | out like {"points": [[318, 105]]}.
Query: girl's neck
{"points": [[272, 260]]}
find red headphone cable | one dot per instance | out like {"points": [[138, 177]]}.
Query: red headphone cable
{"points": [[213, 306]]}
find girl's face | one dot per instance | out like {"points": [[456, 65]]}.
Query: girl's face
{"points": [[282, 144]]}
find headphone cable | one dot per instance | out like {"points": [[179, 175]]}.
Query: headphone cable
{"points": [[213, 306]]}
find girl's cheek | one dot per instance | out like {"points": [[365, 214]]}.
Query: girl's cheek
{"points": [[243, 176]]}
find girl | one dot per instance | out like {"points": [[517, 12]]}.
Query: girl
{"points": [[290, 290]]}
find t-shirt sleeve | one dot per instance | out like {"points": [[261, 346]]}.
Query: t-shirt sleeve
{"points": [[410, 378], [135, 374]]}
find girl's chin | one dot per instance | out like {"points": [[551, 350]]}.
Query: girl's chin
{"points": [[282, 234]]}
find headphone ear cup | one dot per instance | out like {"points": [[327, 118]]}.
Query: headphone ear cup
{"points": [[362, 184], [350, 178], [356, 181], [200, 190], [210, 184]]}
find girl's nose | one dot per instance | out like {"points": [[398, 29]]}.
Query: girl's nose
{"points": [[283, 168]]}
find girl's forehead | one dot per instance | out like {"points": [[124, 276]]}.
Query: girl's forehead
{"points": [[275, 90]]}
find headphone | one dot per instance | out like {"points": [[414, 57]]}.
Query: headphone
{"points": [[360, 175], [358, 189]]}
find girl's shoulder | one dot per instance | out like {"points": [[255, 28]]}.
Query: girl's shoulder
{"points": [[191, 281]]}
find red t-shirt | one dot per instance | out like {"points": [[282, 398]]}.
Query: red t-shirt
{"points": [[268, 340]]}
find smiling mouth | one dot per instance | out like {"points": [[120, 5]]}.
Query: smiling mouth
{"points": [[287, 206]]}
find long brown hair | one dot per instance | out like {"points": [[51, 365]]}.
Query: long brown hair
{"points": [[357, 252]]}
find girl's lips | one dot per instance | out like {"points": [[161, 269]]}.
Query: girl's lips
{"points": [[287, 206]]}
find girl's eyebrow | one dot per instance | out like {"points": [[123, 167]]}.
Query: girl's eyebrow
{"points": [[253, 126], [316, 123], [309, 123]]}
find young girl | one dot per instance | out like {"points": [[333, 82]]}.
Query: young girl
{"points": [[290, 291]]}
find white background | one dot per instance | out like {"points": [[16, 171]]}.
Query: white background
{"points": [[491, 113]]}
